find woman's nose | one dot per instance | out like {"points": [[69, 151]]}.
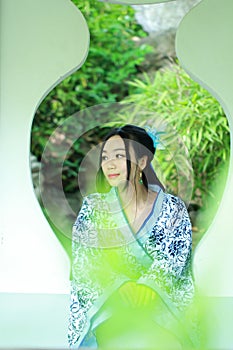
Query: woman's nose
{"points": [[111, 163]]}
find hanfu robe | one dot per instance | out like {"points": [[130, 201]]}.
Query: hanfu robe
{"points": [[107, 254]]}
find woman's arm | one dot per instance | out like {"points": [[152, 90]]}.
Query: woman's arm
{"points": [[94, 271], [170, 246]]}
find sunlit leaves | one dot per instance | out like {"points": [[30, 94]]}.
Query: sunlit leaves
{"points": [[196, 116], [113, 59]]}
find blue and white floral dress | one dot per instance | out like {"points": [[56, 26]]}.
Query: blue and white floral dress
{"points": [[107, 254]]}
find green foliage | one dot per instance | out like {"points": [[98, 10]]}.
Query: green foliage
{"points": [[196, 116], [113, 59]]}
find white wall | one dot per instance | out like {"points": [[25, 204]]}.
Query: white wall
{"points": [[205, 49], [42, 42]]}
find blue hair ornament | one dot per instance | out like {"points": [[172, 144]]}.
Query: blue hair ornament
{"points": [[155, 136]]}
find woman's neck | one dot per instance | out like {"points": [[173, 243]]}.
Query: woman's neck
{"points": [[137, 204], [133, 194]]}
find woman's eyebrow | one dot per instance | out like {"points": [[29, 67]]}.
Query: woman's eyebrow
{"points": [[114, 150]]}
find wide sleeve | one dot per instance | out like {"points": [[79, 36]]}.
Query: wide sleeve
{"points": [[82, 293], [94, 270], [170, 246]]}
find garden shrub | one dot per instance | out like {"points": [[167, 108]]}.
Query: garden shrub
{"points": [[113, 58], [198, 118], [110, 74]]}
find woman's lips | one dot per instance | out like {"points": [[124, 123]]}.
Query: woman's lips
{"points": [[113, 176]]}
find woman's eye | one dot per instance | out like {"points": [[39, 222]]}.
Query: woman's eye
{"points": [[120, 156], [104, 158]]}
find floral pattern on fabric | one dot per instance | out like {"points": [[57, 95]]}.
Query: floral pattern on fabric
{"points": [[170, 245], [166, 252]]}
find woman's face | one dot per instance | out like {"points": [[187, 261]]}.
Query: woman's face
{"points": [[113, 161]]}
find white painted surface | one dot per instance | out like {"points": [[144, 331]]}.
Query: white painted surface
{"points": [[42, 42], [206, 52], [205, 49], [34, 321]]}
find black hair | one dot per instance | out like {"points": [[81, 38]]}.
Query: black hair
{"points": [[143, 146]]}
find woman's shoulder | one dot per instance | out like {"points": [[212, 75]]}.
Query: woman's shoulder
{"points": [[174, 216], [173, 199], [97, 197], [168, 198], [89, 204], [173, 204], [93, 197]]}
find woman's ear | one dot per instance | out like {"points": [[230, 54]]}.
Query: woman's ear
{"points": [[142, 162]]}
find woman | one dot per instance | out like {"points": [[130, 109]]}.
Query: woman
{"points": [[131, 253]]}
